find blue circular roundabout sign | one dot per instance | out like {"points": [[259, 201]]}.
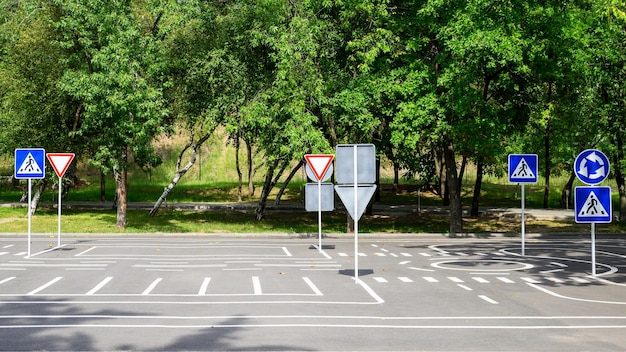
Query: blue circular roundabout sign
{"points": [[592, 166]]}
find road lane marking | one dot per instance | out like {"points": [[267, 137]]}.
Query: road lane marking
{"points": [[312, 286], [8, 246], [380, 279], [371, 292], [404, 262], [580, 280], [506, 280], [404, 279], [256, 284], [44, 286], [204, 286], [3, 253], [531, 280], [488, 299], [99, 286], [465, 287], [480, 280], [287, 252], [455, 279], [7, 279], [406, 254], [85, 251], [430, 279], [152, 286]]}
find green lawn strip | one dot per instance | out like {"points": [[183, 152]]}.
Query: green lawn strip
{"points": [[296, 222]]}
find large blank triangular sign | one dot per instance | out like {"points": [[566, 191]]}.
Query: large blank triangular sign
{"points": [[364, 194]]}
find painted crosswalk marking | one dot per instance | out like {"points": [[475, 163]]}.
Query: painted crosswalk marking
{"points": [[204, 287], [152, 286], [506, 280], [380, 279], [44, 286], [430, 279], [99, 286], [404, 279], [480, 280]]}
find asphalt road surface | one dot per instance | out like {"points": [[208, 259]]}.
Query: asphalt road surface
{"points": [[422, 293]]}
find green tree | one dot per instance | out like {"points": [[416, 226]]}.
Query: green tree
{"points": [[110, 74]]}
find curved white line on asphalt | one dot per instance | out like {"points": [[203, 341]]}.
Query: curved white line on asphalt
{"points": [[610, 269], [551, 293], [522, 266]]}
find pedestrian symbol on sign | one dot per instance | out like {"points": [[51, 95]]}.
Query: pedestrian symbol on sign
{"points": [[523, 170], [29, 166], [592, 206]]}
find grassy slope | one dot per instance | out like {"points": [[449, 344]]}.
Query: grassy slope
{"points": [[214, 179]]}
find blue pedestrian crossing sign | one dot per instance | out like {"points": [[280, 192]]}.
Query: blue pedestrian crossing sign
{"points": [[30, 163], [593, 204], [592, 166], [523, 168]]}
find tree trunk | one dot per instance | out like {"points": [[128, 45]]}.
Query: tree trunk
{"points": [[619, 175], [39, 188], [250, 169], [566, 194], [120, 173], [546, 145], [267, 186], [456, 210], [477, 187], [180, 172], [289, 177], [103, 184], [239, 173], [440, 169]]}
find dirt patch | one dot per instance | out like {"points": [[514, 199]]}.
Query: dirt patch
{"points": [[6, 220]]}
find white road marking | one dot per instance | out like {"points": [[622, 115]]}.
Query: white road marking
{"points": [[480, 280], [342, 254], [420, 269], [380, 279], [20, 253], [406, 254], [380, 254], [455, 279], [404, 279], [488, 299], [85, 251], [256, 284], [152, 286], [506, 280], [204, 286], [531, 280], [580, 280], [312, 286], [3, 253], [287, 252], [572, 298], [99, 286], [425, 255], [45, 286], [393, 255], [7, 279], [465, 287], [369, 290], [430, 279], [8, 246], [555, 280], [404, 262]]}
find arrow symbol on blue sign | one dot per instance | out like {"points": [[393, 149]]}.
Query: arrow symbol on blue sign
{"points": [[599, 170]]}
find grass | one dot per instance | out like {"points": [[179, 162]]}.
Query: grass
{"points": [[213, 179]]}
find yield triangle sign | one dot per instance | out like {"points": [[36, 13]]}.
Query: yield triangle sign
{"points": [[363, 196], [60, 162], [319, 163]]}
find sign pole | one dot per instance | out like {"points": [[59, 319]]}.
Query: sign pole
{"points": [[523, 223], [593, 249], [319, 215], [59, 224], [30, 188], [356, 221]]}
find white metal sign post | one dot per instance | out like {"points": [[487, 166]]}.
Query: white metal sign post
{"points": [[60, 163], [320, 165], [356, 186], [523, 169], [30, 164], [592, 204]]}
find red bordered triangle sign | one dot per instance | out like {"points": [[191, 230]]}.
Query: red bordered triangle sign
{"points": [[319, 163], [60, 162]]}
